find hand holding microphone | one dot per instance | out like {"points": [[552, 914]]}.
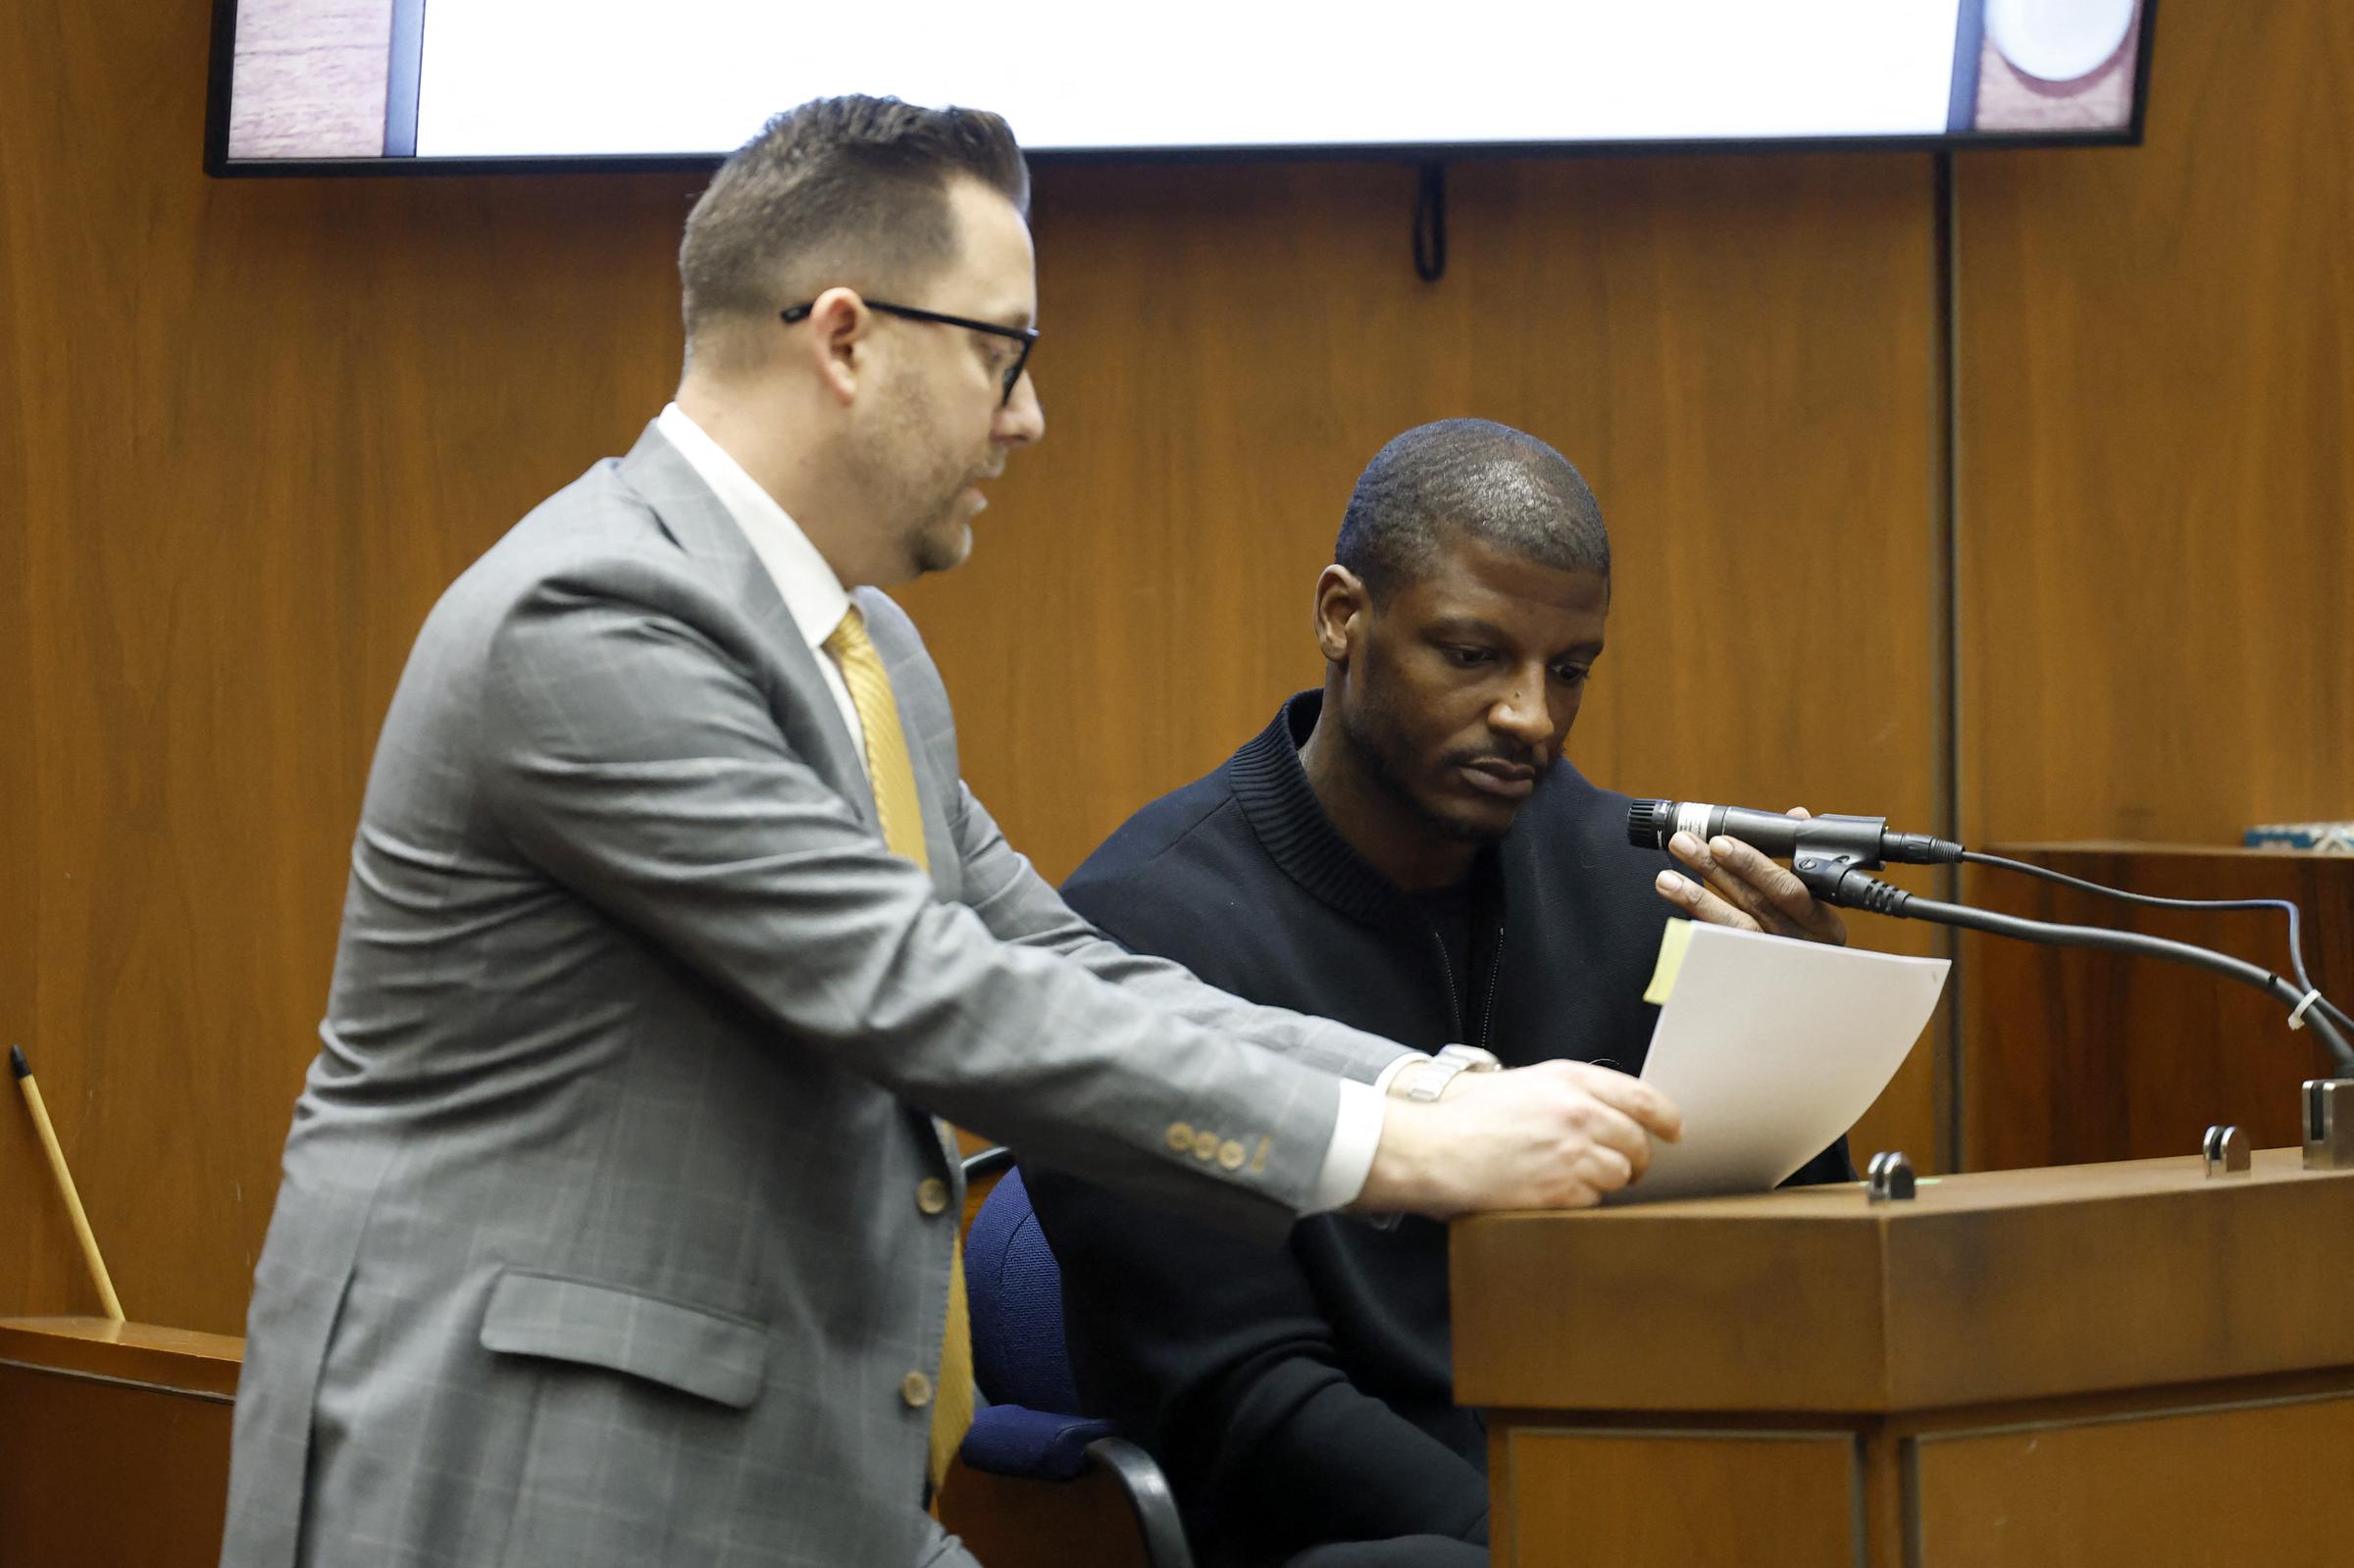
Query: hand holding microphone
{"points": [[1868, 840], [1738, 886]]}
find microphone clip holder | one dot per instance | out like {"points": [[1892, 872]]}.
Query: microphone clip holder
{"points": [[1837, 877]]}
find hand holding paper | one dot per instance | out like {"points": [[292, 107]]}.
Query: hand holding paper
{"points": [[1771, 1049]]}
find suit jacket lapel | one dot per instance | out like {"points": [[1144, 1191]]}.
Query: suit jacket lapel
{"points": [[694, 517]]}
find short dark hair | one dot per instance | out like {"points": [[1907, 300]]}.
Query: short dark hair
{"points": [[1472, 477], [841, 190]]}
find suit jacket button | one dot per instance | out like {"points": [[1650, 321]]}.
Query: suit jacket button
{"points": [[1206, 1146], [932, 1194], [1181, 1137], [916, 1390], [1230, 1155]]}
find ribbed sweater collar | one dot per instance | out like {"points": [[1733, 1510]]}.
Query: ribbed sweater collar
{"points": [[1283, 810]]}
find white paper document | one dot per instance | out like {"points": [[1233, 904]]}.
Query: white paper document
{"points": [[1771, 1049]]}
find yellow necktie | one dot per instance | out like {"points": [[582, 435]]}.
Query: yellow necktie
{"points": [[888, 773], [891, 777]]}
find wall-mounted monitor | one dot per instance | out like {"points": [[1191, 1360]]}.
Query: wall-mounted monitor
{"points": [[373, 85]]}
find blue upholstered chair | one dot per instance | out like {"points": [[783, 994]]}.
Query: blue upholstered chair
{"points": [[1028, 1427]]}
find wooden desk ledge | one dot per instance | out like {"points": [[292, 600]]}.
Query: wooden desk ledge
{"points": [[174, 1360], [1988, 1286]]}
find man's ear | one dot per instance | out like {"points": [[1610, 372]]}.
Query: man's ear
{"points": [[838, 323], [1341, 608]]}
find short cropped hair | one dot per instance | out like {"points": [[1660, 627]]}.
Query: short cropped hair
{"points": [[1467, 477], [849, 190]]}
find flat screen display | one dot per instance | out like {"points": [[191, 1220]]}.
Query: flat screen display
{"points": [[306, 85]]}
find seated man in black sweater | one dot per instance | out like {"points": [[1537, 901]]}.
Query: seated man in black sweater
{"points": [[1407, 852]]}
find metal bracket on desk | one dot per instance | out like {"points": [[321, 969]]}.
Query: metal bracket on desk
{"points": [[2227, 1153], [2328, 1124], [1888, 1179]]}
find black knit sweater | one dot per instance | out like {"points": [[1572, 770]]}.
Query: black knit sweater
{"points": [[1303, 1394]]}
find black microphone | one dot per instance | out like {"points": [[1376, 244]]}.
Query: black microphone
{"points": [[1862, 841]]}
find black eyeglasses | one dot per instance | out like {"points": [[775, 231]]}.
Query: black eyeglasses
{"points": [[1027, 336]]}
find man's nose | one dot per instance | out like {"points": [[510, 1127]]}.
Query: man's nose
{"points": [[1022, 419], [1520, 711]]}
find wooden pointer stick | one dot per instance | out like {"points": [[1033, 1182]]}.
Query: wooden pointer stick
{"points": [[65, 1183]]}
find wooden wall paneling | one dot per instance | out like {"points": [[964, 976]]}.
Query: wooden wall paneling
{"points": [[1739, 353], [259, 427], [35, 1240], [255, 428], [2156, 411], [39, 1228]]}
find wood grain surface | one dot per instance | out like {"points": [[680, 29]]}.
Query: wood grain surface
{"points": [[2156, 407], [115, 1450], [1710, 1499], [1989, 1287], [178, 1359], [2224, 1484], [2097, 1056], [2206, 1473]]}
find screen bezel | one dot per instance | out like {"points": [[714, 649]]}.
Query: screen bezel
{"points": [[406, 40]]}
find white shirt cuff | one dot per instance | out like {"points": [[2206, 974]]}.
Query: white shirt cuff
{"points": [[1391, 1072], [1355, 1135]]}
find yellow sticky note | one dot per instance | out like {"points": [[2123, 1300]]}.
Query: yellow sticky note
{"points": [[1673, 943]]}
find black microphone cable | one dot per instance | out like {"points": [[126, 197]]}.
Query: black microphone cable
{"points": [[1862, 841], [2296, 943]]}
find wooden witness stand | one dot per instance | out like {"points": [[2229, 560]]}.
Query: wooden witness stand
{"points": [[2107, 1366]]}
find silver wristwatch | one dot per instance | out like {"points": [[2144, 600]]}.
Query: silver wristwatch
{"points": [[1432, 1081]]}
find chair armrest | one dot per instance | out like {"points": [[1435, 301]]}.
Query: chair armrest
{"points": [[1007, 1439], [1149, 1495], [986, 1162]]}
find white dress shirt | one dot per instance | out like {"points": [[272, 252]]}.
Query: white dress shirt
{"points": [[813, 595], [816, 600]]}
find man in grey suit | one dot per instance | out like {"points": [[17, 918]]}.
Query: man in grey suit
{"points": [[616, 1226]]}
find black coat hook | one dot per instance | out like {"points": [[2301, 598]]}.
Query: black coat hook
{"points": [[1430, 224]]}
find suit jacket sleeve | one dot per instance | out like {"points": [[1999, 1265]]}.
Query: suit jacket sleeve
{"points": [[1018, 905], [1215, 1354], [628, 751]]}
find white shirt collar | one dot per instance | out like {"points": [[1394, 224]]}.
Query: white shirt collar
{"points": [[813, 595]]}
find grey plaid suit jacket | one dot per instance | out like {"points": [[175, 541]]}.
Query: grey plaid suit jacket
{"points": [[606, 1232]]}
